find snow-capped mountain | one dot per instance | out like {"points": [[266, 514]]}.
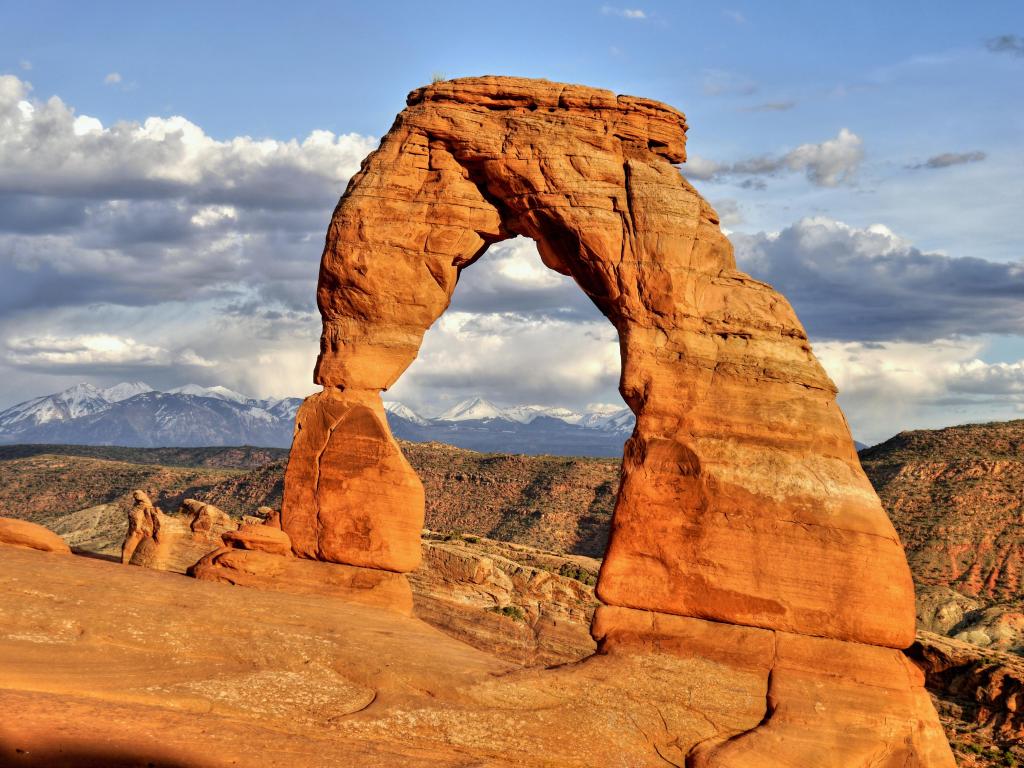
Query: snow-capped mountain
{"points": [[124, 390], [218, 392], [79, 400], [403, 411], [481, 425], [135, 414], [473, 409]]}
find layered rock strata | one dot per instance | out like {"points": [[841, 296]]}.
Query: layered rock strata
{"points": [[742, 501]]}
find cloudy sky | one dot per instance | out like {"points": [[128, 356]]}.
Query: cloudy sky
{"points": [[167, 175]]}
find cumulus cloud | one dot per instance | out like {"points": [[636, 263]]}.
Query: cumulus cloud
{"points": [[889, 386], [156, 224], [1011, 44], [947, 159], [868, 283], [94, 351], [828, 164]]}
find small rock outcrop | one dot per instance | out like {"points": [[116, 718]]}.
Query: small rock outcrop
{"points": [[261, 556], [21, 533], [172, 542]]}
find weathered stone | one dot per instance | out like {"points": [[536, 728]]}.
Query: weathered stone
{"points": [[742, 499], [275, 573], [21, 533], [261, 538], [351, 497], [172, 542]]}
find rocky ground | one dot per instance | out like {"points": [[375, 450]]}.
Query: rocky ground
{"points": [[509, 566]]}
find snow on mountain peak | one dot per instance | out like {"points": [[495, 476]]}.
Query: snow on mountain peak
{"points": [[218, 392], [403, 411], [125, 390], [472, 409]]}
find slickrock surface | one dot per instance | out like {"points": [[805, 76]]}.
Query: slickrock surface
{"points": [[18, 533], [290, 575], [742, 499], [107, 663]]}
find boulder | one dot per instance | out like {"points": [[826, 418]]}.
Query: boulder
{"points": [[21, 533]]}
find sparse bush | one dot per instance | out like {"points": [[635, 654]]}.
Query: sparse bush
{"points": [[573, 571], [513, 612]]}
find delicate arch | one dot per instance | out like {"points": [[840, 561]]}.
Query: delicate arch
{"points": [[742, 499]]}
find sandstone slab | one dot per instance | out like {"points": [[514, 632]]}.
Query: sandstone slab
{"points": [[277, 573], [21, 533], [222, 676]]}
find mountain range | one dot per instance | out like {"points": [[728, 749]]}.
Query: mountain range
{"points": [[136, 415]]}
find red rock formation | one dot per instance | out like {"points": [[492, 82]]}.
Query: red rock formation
{"points": [[742, 500], [21, 533], [172, 542]]}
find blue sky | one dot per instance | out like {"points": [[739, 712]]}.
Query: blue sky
{"points": [[866, 159]]}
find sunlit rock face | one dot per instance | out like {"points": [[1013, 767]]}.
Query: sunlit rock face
{"points": [[742, 500]]}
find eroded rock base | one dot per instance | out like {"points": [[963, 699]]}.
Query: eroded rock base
{"points": [[826, 702], [112, 664], [295, 576]]}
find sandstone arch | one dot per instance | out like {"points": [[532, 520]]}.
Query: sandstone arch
{"points": [[746, 539], [742, 498]]}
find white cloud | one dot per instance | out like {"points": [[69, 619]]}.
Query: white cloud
{"points": [[113, 78], [828, 164], [888, 387], [626, 13], [86, 350], [46, 150]]}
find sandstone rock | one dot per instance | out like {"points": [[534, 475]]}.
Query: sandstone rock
{"points": [[982, 688], [350, 495], [270, 516], [172, 542], [142, 523], [742, 499], [262, 538], [526, 614], [829, 703], [20, 533], [223, 676], [272, 572]]}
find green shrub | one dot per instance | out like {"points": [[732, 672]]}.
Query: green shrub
{"points": [[513, 612]]}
